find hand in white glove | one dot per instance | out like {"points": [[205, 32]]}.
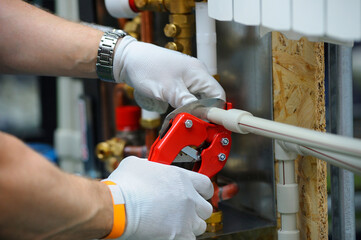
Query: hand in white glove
{"points": [[162, 74], [161, 201]]}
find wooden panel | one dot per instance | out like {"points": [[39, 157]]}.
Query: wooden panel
{"points": [[298, 91]]}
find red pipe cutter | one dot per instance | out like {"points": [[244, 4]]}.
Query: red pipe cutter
{"points": [[190, 139]]}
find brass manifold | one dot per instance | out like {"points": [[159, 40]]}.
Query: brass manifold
{"points": [[181, 26], [111, 152]]}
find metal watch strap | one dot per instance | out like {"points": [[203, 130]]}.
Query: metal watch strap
{"points": [[104, 65]]}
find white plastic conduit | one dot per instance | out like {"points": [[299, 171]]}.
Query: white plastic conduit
{"points": [[287, 194], [350, 163], [244, 122], [206, 38], [120, 8]]}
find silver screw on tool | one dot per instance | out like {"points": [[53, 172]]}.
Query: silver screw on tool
{"points": [[222, 157], [188, 123], [225, 141]]}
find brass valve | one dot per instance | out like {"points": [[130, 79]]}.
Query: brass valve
{"points": [[215, 222], [181, 28], [111, 152], [181, 21]]}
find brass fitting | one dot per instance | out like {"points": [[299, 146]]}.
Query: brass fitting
{"points": [[185, 24], [129, 91], [171, 30], [215, 222], [133, 27], [181, 21], [111, 152], [151, 5], [217, 77], [180, 6], [174, 46], [150, 123], [181, 28]]}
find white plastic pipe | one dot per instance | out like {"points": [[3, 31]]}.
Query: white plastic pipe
{"points": [[340, 160], [119, 8], [243, 122], [206, 38], [67, 137], [287, 194]]}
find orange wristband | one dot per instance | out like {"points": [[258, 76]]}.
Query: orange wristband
{"points": [[119, 216]]}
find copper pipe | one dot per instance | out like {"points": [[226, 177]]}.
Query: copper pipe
{"points": [[106, 107], [150, 136], [139, 151], [119, 95], [147, 36], [146, 31], [122, 22]]}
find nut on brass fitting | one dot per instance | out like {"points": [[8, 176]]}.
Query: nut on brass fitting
{"points": [[111, 148], [151, 5], [141, 4], [171, 30], [217, 77], [215, 222], [102, 150], [184, 23], [150, 123], [133, 27], [174, 46], [129, 91], [111, 152]]}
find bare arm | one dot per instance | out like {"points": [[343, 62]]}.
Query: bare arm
{"points": [[39, 201], [33, 41]]}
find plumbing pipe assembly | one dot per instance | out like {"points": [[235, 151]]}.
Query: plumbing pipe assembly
{"points": [[290, 140], [244, 122]]}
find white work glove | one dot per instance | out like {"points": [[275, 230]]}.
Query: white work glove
{"points": [[161, 201], [162, 74]]}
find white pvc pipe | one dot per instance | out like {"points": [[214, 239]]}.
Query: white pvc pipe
{"points": [[288, 167], [289, 221], [67, 137], [206, 38], [243, 122], [340, 160], [287, 194], [119, 8]]}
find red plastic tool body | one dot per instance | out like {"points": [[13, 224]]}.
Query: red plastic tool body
{"points": [[203, 135]]}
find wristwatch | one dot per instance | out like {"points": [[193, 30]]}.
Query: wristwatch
{"points": [[104, 65]]}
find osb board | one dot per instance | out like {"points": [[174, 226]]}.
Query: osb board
{"points": [[298, 92]]}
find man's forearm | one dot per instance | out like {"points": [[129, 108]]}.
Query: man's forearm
{"points": [[36, 42], [38, 201]]}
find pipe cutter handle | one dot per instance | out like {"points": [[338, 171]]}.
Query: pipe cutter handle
{"points": [[213, 142]]}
